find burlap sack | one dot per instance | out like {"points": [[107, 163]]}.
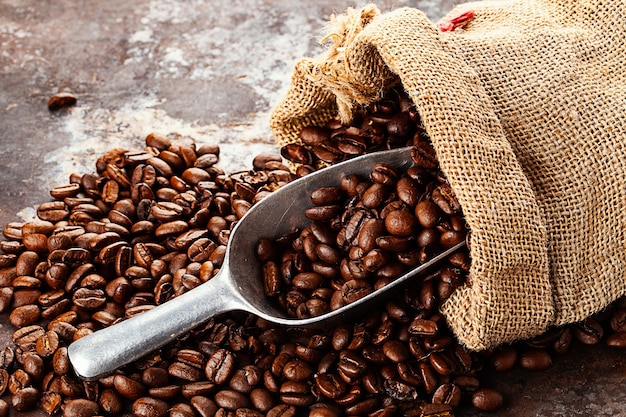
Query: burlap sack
{"points": [[526, 108]]}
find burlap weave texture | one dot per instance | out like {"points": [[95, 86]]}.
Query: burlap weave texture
{"points": [[526, 108]]}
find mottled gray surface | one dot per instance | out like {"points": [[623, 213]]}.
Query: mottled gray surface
{"points": [[212, 70]]}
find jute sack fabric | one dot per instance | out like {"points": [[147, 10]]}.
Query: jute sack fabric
{"points": [[526, 108]]}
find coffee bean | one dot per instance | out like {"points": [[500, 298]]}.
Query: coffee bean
{"points": [[61, 100], [618, 320], [25, 399], [375, 195], [355, 289], [535, 360], [503, 359], [220, 366], [320, 213], [324, 196], [184, 371], [26, 337], [296, 393], [262, 399], [330, 385], [297, 370], [110, 402], [487, 399], [181, 410], [26, 315], [89, 299], [4, 408], [396, 351], [423, 155], [307, 281], [231, 400], [423, 327], [50, 402], [588, 332], [617, 340], [401, 223], [128, 387], [244, 380], [149, 407]]}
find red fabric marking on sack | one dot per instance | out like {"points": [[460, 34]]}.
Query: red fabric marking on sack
{"points": [[455, 22]]}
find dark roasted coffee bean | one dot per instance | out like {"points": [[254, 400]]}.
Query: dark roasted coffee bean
{"points": [[24, 316], [374, 196], [244, 380], [203, 406], [447, 394], [535, 359], [297, 154], [6, 298], [282, 410], [149, 407], [486, 399], [617, 340], [47, 344], [4, 408], [89, 299], [128, 387], [220, 366], [326, 196], [442, 363], [396, 351], [231, 400], [351, 364], [199, 388], [181, 410], [423, 155], [110, 402], [50, 402], [354, 290], [321, 213], [401, 223], [25, 399], [399, 390], [297, 370], [618, 320], [588, 332], [423, 327], [81, 408], [184, 371], [7, 356], [4, 380], [444, 197], [330, 385], [314, 135], [307, 281], [166, 393], [26, 337], [296, 393], [503, 359]]}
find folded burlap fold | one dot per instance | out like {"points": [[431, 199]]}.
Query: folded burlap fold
{"points": [[526, 108]]}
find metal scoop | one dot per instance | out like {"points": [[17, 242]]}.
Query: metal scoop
{"points": [[238, 285]]}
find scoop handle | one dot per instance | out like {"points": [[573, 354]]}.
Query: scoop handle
{"points": [[106, 350]]}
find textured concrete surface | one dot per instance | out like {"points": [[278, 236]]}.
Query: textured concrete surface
{"points": [[213, 71]]}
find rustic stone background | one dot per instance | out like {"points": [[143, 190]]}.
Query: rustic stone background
{"points": [[214, 72]]}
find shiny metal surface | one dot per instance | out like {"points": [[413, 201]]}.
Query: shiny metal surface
{"points": [[238, 285]]}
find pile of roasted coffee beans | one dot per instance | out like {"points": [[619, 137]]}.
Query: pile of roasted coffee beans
{"points": [[386, 124], [365, 232], [151, 224]]}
